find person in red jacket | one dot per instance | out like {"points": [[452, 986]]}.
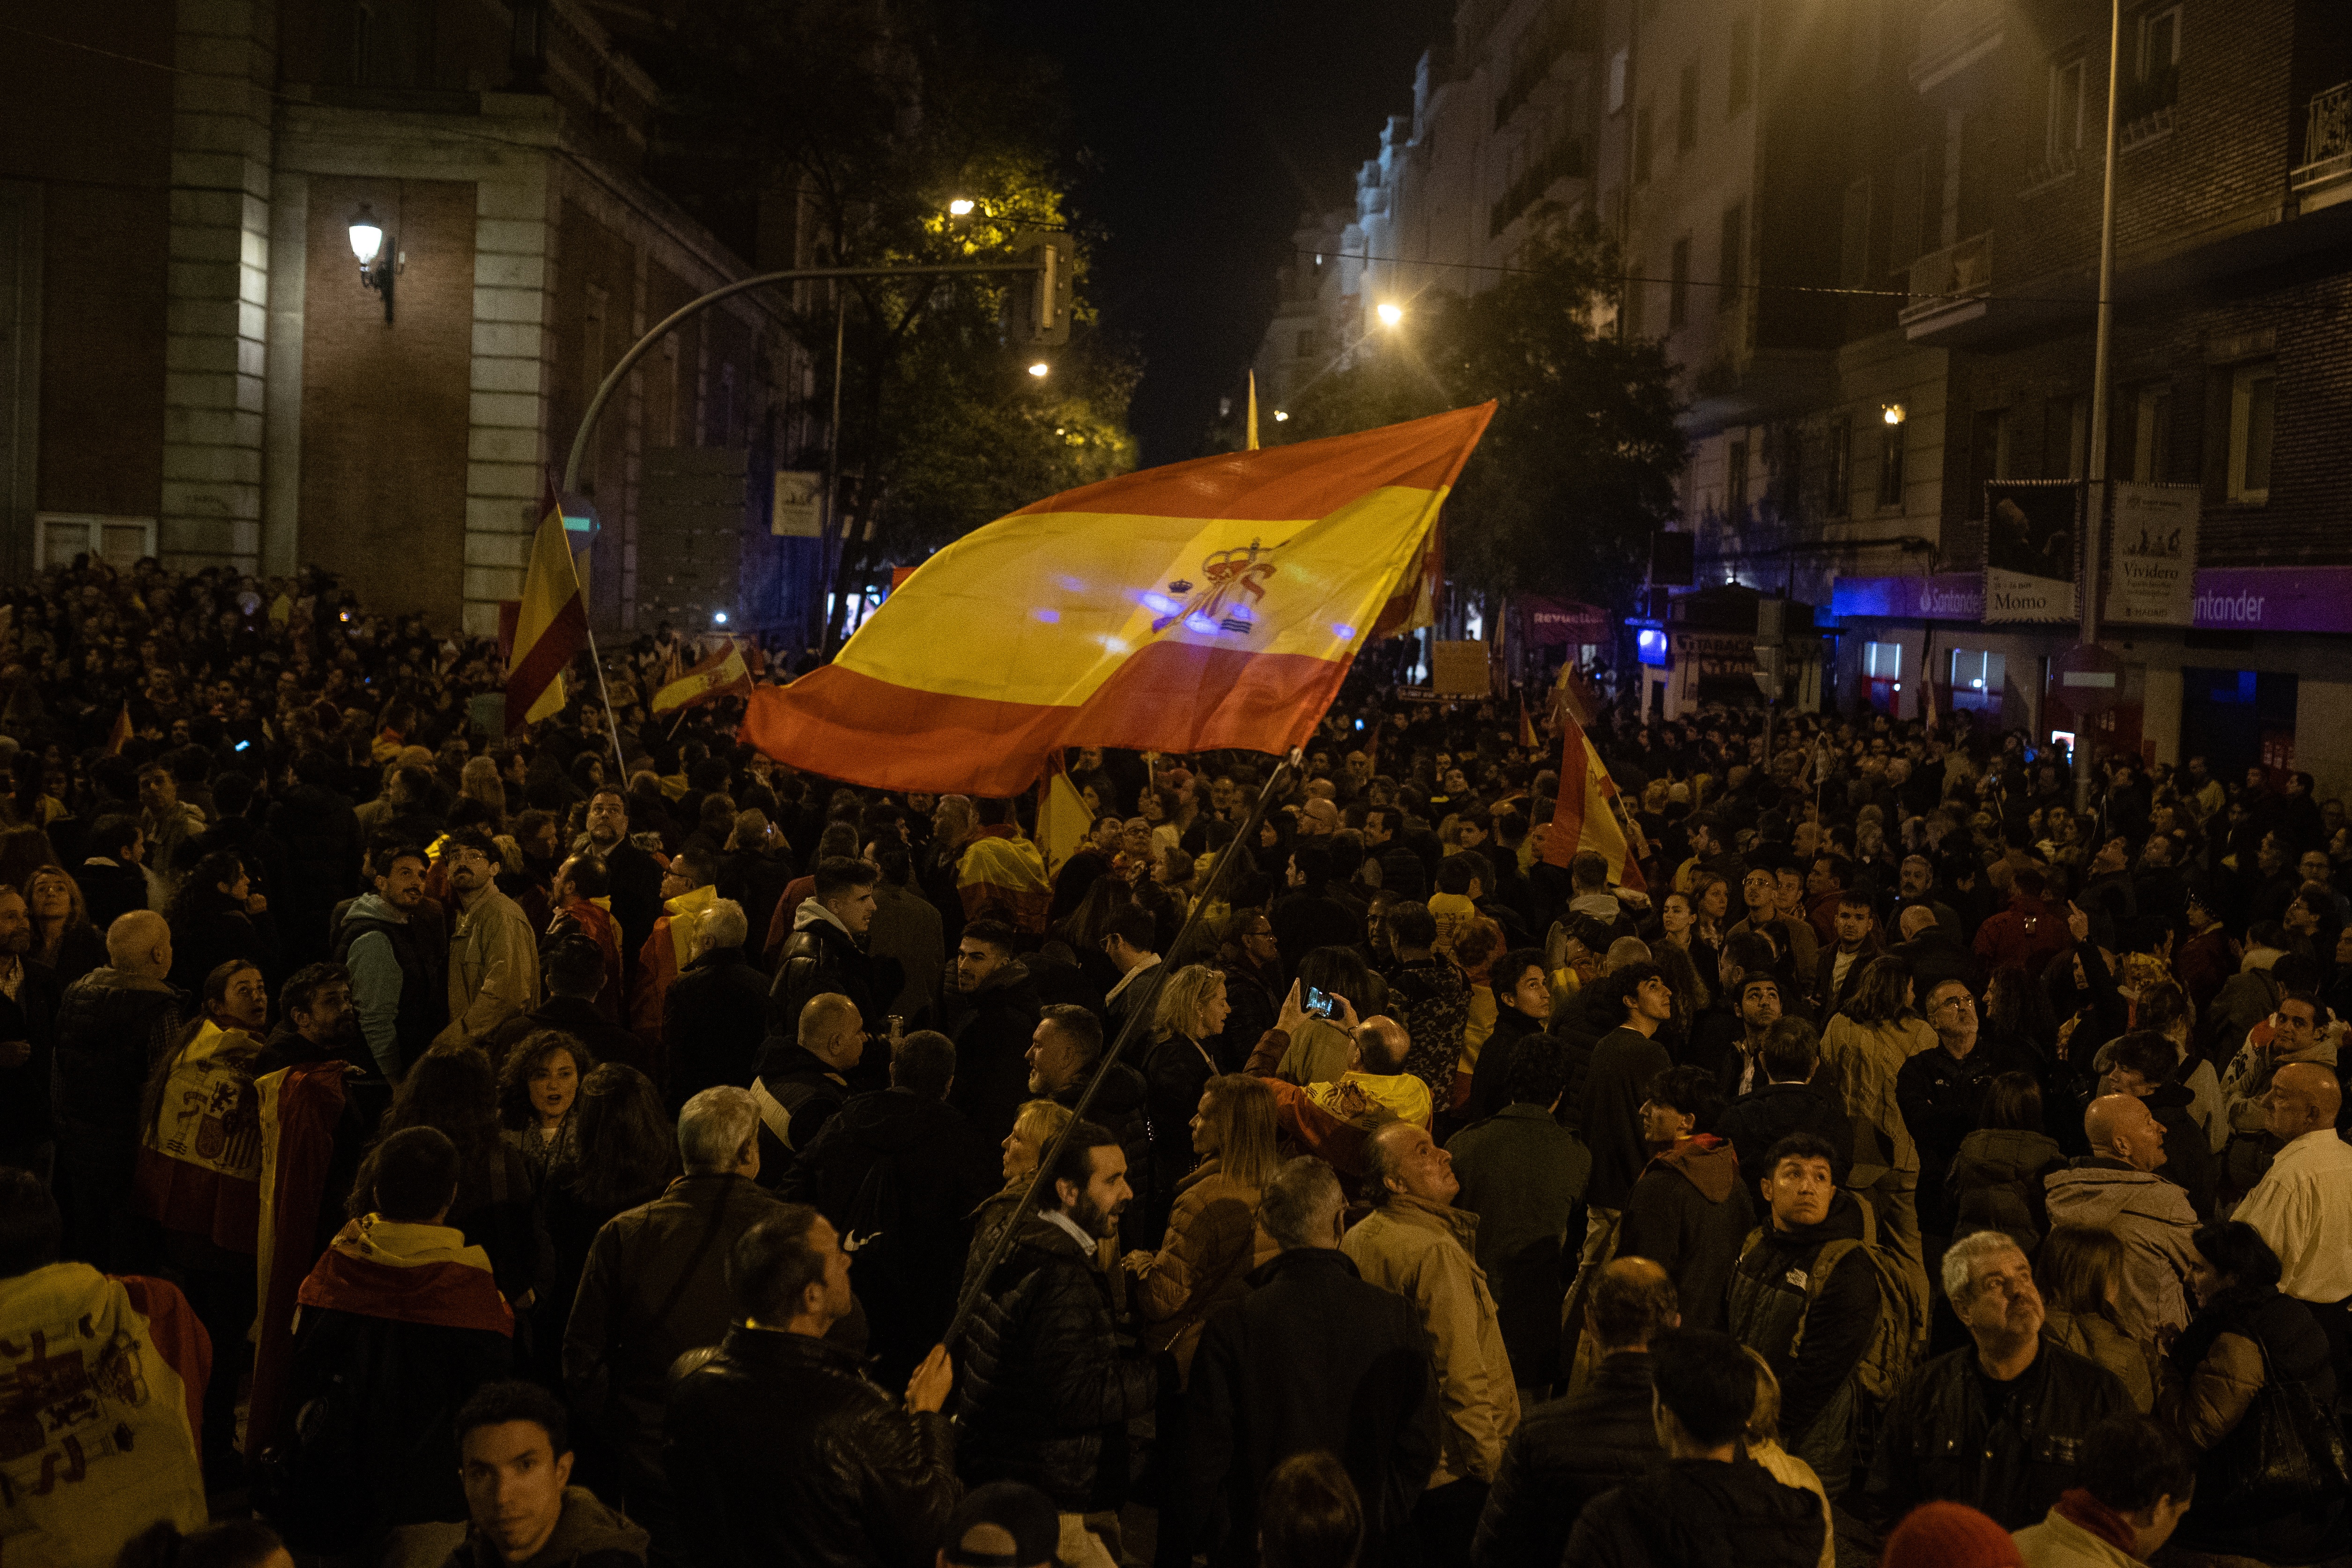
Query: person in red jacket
{"points": [[2031, 932]]}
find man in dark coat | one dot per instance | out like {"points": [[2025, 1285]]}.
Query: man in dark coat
{"points": [[994, 1008], [1313, 1358], [901, 1171], [825, 951], [780, 1449], [633, 872], [1046, 1394], [113, 1024], [28, 1015], [1063, 1052], [1811, 1330], [1998, 1423], [1709, 1502], [1623, 1063], [804, 1080], [1569, 1451], [1689, 1212], [573, 968], [1785, 1100], [1522, 986], [714, 1016], [1307, 916]]}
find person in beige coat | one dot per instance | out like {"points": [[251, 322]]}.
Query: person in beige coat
{"points": [[493, 955], [1861, 1050], [1419, 1245], [1213, 1240]]}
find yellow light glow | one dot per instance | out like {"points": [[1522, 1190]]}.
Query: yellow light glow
{"points": [[1040, 368], [1893, 414], [960, 206], [1390, 312], [1280, 416]]}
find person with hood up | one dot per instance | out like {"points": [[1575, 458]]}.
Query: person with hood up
{"points": [[825, 952], [899, 1170], [1812, 1339], [1688, 1211], [2116, 1188], [1710, 1502], [993, 1001]]}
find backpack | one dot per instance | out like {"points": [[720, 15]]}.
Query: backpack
{"points": [[1896, 1343]]}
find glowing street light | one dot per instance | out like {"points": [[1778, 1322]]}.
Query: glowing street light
{"points": [[1390, 312], [1040, 369], [1281, 416], [1893, 414], [960, 206]]}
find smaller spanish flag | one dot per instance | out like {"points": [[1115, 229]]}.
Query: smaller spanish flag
{"points": [[550, 626], [722, 673], [1528, 741], [1587, 816]]}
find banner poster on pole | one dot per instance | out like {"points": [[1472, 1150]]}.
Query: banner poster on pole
{"points": [[2032, 549], [2152, 568]]}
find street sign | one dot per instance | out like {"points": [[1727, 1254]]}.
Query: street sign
{"points": [[2087, 679]]}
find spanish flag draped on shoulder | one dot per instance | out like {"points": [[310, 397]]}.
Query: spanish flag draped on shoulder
{"points": [[552, 626], [1587, 815], [1207, 604]]}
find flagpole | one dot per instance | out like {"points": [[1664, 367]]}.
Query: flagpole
{"points": [[1283, 771]]}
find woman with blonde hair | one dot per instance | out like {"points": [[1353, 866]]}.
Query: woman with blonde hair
{"points": [[64, 937], [1212, 1240], [479, 781], [2081, 1269], [1035, 1126], [1763, 1438], [1190, 1012]]}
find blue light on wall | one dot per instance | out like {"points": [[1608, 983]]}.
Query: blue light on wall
{"points": [[1650, 646]]}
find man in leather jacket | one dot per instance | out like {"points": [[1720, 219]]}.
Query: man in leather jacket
{"points": [[779, 1449], [826, 953], [1999, 1424]]}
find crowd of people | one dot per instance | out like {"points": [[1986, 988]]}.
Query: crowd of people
{"points": [[600, 1145]]}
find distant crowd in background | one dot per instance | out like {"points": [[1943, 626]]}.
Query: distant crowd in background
{"points": [[602, 1145]]}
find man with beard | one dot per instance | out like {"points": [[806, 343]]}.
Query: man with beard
{"points": [[1997, 1424], [395, 963], [634, 873], [493, 960], [1046, 1394]]}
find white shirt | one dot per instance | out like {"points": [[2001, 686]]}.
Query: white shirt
{"points": [[2303, 1207]]}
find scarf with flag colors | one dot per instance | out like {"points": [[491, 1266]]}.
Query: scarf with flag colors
{"points": [[1209, 605], [721, 674], [199, 1169], [299, 1107], [551, 625], [104, 1379], [378, 1267], [1586, 817]]}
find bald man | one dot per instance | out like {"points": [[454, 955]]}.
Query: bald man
{"points": [[2303, 1204], [2116, 1188], [113, 1023]]}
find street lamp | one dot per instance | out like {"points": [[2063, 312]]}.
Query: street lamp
{"points": [[379, 261], [1281, 417], [1893, 413], [961, 208], [2094, 503], [1040, 369], [1390, 312]]}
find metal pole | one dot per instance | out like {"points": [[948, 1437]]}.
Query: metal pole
{"points": [[1284, 772], [2095, 500], [669, 323], [832, 468]]}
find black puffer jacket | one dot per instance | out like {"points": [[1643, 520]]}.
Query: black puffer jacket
{"points": [[783, 1454], [1701, 1510], [1565, 1454], [1767, 1308], [1120, 1108], [820, 956], [1044, 1390], [1941, 1439], [111, 1027], [992, 1041]]}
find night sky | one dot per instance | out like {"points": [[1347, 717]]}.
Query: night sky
{"points": [[1213, 125]]}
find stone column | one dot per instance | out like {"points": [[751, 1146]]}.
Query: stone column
{"points": [[218, 287]]}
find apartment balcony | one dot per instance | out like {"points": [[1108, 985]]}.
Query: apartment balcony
{"points": [[1953, 36], [1948, 290], [2325, 176]]}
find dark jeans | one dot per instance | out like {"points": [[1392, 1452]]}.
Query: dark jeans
{"points": [[1446, 1519]]}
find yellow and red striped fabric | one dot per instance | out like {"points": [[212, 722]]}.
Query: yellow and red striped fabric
{"points": [[550, 626], [1586, 817], [1206, 604], [377, 1268], [722, 673]]}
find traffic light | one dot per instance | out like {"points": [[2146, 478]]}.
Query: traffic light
{"points": [[1042, 300]]}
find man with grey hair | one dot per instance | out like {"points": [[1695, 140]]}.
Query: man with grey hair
{"points": [[656, 1287], [1421, 1246], [716, 1013], [1312, 1358], [1997, 1424]]}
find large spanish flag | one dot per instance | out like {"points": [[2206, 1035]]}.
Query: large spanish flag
{"points": [[1588, 815], [551, 628], [1203, 605]]}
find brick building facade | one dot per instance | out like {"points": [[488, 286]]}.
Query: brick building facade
{"points": [[190, 365]]}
